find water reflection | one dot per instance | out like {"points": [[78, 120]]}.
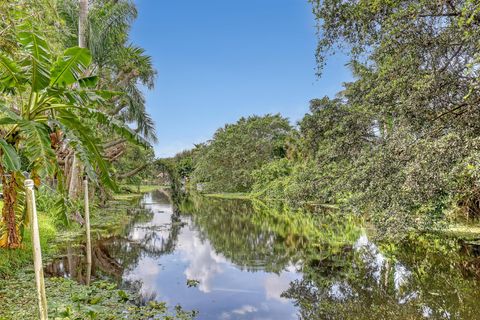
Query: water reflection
{"points": [[419, 279], [258, 262]]}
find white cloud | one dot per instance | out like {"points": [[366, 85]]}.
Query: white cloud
{"points": [[245, 309], [275, 285], [204, 263]]}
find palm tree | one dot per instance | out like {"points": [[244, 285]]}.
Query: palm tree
{"points": [[43, 98], [121, 66]]}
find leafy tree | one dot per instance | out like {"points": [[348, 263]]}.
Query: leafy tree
{"points": [[416, 64], [227, 162], [121, 67]]}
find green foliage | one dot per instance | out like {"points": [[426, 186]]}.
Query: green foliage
{"points": [[10, 158], [225, 164], [414, 64], [272, 179], [192, 283]]}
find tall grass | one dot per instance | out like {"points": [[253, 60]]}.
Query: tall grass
{"points": [[13, 259]]}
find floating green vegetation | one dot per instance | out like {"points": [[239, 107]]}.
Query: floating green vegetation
{"points": [[70, 300]]}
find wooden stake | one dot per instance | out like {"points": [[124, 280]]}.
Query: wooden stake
{"points": [[87, 227], [37, 251]]}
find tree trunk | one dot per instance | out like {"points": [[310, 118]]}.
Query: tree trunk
{"points": [[133, 172], [37, 250], [11, 239], [73, 185], [75, 181], [82, 24]]}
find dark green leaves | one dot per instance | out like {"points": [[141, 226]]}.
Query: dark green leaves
{"points": [[10, 158]]}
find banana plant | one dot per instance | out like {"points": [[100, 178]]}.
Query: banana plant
{"points": [[43, 95]]}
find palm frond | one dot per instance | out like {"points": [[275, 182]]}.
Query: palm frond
{"points": [[137, 113], [108, 28]]}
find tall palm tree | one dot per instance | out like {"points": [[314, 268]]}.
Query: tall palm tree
{"points": [[44, 97], [122, 66], [82, 43]]}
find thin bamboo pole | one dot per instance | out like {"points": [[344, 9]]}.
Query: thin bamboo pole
{"points": [[87, 227], [37, 251]]}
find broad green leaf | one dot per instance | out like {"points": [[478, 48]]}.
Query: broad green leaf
{"points": [[10, 75], [10, 158], [39, 58], [70, 67], [37, 147]]}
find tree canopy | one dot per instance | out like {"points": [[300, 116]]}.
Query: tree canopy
{"points": [[226, 162], [399, 144]]}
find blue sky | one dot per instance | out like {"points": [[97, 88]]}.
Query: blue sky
{"points": [[218, 60]]}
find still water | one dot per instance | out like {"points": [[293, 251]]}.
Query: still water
{"points": [[253, 262]]}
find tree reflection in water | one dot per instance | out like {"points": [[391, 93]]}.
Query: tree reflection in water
{"points": [[345, 276], [113, 256], [342, 274], [422, 278]]}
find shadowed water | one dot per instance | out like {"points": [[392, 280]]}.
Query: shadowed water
{"points": [[258, 262]]}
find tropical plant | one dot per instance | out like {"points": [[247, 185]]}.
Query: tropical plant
{"points": [[45, 99]]}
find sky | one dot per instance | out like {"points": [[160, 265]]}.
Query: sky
{"points": [[219, 60]]}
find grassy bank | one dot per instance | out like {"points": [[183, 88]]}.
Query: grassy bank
{"points": [[132, 192], [13, 260], [238, 195], [463, 231]]}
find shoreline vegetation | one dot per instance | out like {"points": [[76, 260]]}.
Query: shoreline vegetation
{"points": [[463, 231], [109, 220], [397, 145], [67, 298]]}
